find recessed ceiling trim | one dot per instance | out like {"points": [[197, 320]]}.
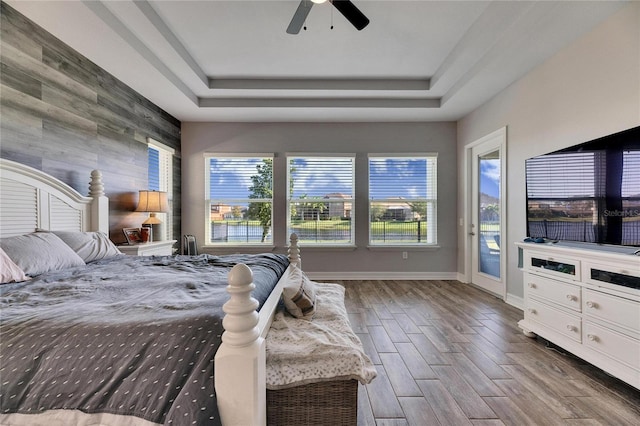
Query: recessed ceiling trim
{"points": [[318, 103], [477, 41], [320, 83], [150, 13], [127, 35]]}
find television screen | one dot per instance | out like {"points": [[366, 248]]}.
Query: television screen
{"points": [[588, 192]]}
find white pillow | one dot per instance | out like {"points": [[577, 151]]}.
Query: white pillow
{"points": [[9, 271], [40, 252], [299, 294], [89, 245]]}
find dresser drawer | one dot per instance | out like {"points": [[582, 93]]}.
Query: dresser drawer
{"points": [[558, 292], [614, 345], [553, 266], [622, 277], [560, 321], [613, 309]]}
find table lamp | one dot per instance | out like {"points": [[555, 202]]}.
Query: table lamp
{"points": [[153, 202]]}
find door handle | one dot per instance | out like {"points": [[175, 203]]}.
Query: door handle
{"points": [[472, 233]]}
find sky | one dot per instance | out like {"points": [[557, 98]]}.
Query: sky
{"points": [[490, 177], [231, 178]]}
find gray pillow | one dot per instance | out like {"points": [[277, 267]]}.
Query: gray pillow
{"points": [[299, 294], [40, 252], [89, 245], [9, 271]]}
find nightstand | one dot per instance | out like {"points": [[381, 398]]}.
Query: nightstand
{"points": [[154, 248]]}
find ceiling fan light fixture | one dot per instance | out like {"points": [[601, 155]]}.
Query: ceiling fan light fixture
{"points": [[319, 1], [345, 7]]}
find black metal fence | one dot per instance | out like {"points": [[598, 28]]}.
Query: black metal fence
{"points": [[320, 231], [581, 230], [241, 231], [414, 231]]}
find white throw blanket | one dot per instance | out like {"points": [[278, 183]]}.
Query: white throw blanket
{"points": [[324, 349]]}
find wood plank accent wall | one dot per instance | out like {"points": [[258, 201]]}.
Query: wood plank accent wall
{"points": [[64, 115]]}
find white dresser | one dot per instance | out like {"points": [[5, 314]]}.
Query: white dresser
{"points": [[587, 301]]}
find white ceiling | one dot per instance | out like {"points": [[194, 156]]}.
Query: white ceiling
{"points": [[233, 60]]}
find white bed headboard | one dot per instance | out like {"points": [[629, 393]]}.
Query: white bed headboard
{"points": [[30, 199]]}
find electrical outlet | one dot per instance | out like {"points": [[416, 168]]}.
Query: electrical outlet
{"points": [[405, 255]]}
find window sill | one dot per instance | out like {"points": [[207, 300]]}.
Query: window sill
{"points": [[403, 248], [229, 249], [327, 247]]}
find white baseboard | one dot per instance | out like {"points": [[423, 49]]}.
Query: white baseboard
{"points": [[462, 278], [368, 275], [515, 301]]}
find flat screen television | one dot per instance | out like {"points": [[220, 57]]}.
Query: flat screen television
{"points": [[587, 193]]}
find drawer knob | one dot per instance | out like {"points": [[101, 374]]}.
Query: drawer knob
{"points": [[571, 327], [591, 304], [592, 337], [532, 285], [531, 311], [571, 297]]}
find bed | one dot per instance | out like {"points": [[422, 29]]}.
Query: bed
{"points": [[150, 343]]}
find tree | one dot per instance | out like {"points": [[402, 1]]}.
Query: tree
{"points": [[377, 212], [261, 188], [317, 206], [490, 212], [419, 208], [236, 211]]}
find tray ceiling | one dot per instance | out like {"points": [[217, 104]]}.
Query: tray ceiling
{"points": [[233, 60]]}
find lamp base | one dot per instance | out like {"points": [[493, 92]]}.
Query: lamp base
{"points": [[148, 230], [155, 225]]}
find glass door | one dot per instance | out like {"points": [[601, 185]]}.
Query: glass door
{"points": [[487, 217], [489, 213]]}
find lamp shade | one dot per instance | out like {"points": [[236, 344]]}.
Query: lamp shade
{"points": [[153, 201]]}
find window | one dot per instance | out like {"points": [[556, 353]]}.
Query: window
{"points": [[320, 201], [402, 199], [239, 192], [161, 179]]}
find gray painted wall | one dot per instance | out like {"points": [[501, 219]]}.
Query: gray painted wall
{"points": [[358, 138], [64, 115], [587, 90]]}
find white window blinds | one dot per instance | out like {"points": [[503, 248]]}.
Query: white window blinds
{"points": [[402, 199], [239, 192], [321, 198]]}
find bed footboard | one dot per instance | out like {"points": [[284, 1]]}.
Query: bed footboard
{"points": [[240, 362]]}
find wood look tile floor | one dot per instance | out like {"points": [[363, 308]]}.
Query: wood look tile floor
{"points": [[450, 354]]}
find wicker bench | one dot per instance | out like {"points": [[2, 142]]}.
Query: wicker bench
{"points": [[320, 399], [315, 404]]}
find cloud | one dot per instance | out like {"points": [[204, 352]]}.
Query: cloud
{"points": [[491, 170]]}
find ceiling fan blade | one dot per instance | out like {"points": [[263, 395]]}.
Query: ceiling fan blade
{"points": [[299, 17], [352, 13]]}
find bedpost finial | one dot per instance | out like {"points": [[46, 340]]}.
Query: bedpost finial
{"points": [[240, 275], [294, 250], [241, 319], [96, 187]]}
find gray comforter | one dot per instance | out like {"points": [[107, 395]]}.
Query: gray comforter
{"points": [[132, 336]]}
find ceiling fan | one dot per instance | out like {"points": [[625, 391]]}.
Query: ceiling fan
{"points": [[346, 7]]}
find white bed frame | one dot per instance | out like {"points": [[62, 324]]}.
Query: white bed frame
{"points": [[31, 199]]}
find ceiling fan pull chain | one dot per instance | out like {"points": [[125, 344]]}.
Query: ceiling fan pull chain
{"points": [[331, 18]]}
